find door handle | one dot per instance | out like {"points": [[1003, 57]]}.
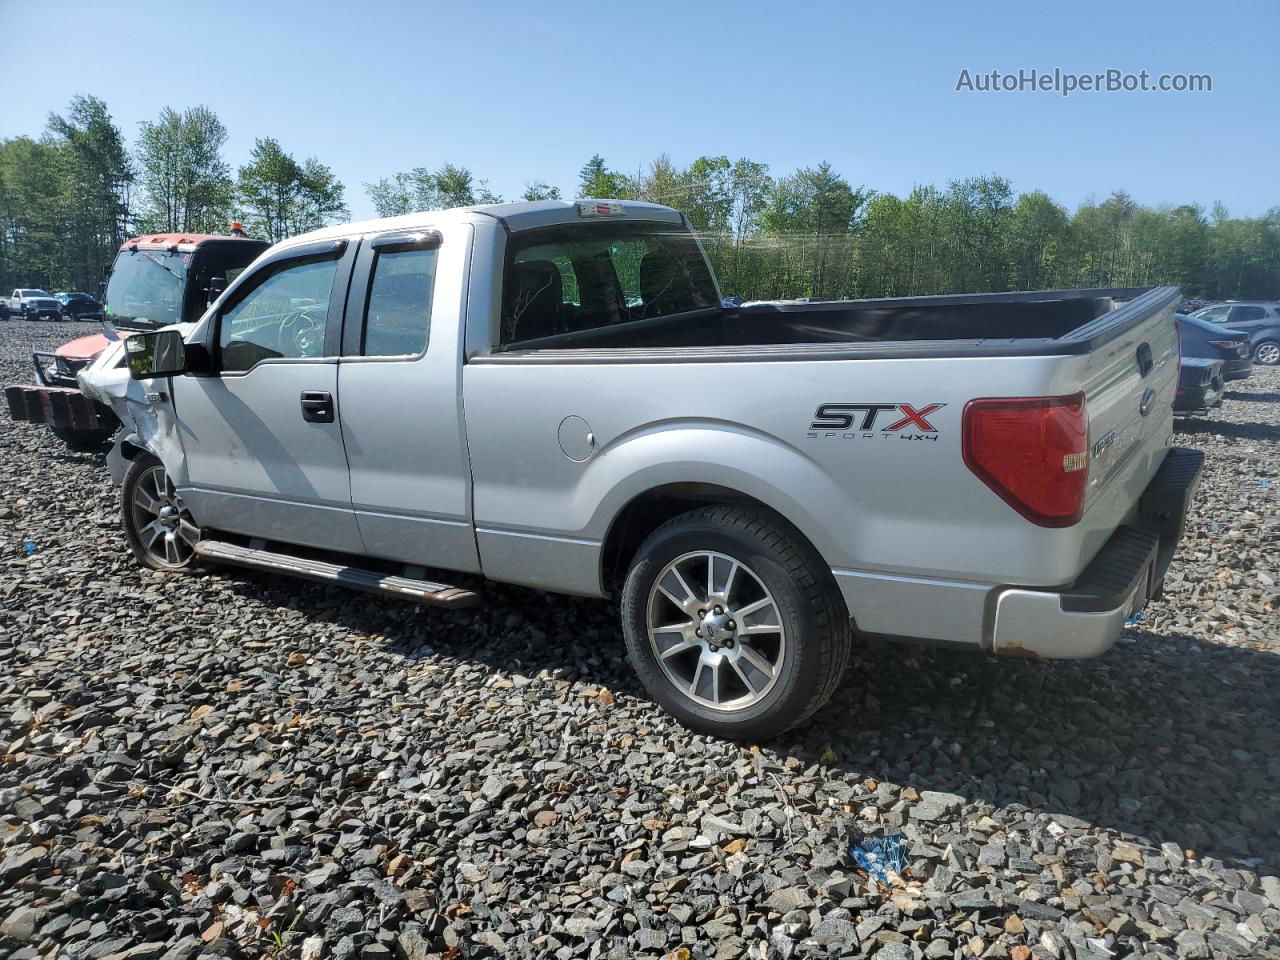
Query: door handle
{"points": [[317, 406]]}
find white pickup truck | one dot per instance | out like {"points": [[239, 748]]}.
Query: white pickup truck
{"points": [[28, 304], [554, 394]]}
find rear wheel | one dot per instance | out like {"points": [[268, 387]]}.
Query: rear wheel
{"points": [[733, 623], [157, 524], [1267, 353]]}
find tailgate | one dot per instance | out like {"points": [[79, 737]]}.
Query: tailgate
{"points": [[1129, 393]]}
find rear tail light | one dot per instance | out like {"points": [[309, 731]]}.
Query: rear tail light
{"points": [[1225, 344], [1033, 452]]}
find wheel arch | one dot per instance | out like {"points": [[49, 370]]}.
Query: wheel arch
{"points": [[638, 482], [648, 510]]}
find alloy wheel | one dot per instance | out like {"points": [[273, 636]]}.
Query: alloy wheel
{"points": [[716, 630], [164, 525]]}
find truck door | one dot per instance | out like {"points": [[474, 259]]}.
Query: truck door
{"points": [[263, 444], [400, 398]]}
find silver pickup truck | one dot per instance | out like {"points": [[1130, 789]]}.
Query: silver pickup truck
{"points": [[554, 394]]}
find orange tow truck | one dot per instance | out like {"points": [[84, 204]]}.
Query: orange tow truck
{"points": [[155, 280]]}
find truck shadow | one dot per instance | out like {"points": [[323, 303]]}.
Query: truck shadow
{"points": [[1165, 737], [1234, 431], [1252, 397]]}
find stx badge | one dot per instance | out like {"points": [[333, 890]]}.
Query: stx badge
{"points": [[906, 422]]}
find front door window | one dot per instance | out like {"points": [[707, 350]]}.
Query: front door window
{"points": [[282, 318]]}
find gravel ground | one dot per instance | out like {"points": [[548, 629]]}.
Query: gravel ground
{"points": [[239, 765]]}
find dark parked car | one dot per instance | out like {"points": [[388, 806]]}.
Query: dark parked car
{"points": [[1200, 385], [1260, 319], [79, 306], [1212, 341]]}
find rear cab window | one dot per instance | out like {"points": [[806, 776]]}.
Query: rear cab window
{"points": [[573, 278], [397, 321]]}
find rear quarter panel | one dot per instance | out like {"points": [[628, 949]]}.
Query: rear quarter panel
{"points": [[895, 502]]}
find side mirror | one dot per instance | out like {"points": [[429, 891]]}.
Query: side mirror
{"points": [[160, 354], [216, 286]]}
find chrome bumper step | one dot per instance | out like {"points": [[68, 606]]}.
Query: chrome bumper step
{"points": [[356, 578]]}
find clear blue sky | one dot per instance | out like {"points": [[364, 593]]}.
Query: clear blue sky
{"points": [[521, 91]]}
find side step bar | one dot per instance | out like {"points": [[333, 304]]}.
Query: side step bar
{"points": [[357, 578]]}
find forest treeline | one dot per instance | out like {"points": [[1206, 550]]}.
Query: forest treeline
{"points": [[71, 195]]}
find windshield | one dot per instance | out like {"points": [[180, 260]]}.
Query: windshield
{"points": [[577, 277], [33, 293], [146, 286]]}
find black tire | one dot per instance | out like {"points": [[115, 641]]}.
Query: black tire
{"points": [[85, 441], [140, 475], [818, 634], [1273, 352]]}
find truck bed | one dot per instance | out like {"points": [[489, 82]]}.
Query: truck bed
{"points": [[998, 324]]}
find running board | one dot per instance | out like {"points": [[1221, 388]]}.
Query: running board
{"points": [[357, 578]]}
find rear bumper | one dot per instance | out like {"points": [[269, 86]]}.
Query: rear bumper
{"points": [[1086, 617], [1237, 368], [1200, 396]]}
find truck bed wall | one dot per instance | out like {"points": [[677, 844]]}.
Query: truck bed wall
{"points": [[856, 321]]}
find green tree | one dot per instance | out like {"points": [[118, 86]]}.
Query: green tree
{"points": [[1244, 255], [816, 204], [34, 213], [423, 189], [1038, 230], [540, 191], [280, 197], [99, 174], [185, 182], [597, 182], [976, 217]]}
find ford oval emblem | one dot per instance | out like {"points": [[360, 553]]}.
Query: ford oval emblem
{"points": [[1147, 396]]}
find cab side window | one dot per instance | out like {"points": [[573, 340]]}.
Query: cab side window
{"points": [[397, 319], [284, 317]]}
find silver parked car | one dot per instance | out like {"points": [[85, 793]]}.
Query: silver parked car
{"points": [[555, 394]]}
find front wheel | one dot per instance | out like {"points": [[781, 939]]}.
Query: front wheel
{"points": [[734, 624], [157, 524], [1267, 353]]}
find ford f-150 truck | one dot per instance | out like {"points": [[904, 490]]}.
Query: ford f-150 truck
{"points": [[554, 394]]}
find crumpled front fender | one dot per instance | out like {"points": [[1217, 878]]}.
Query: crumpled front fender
{"points": [[122, 452], [146, 425]]}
